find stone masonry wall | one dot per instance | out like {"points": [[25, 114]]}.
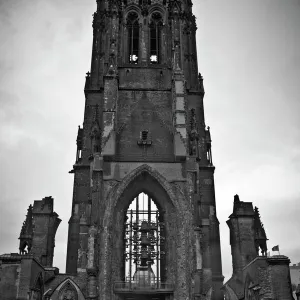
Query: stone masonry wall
{"points": [[180, 238], [9, 280]]}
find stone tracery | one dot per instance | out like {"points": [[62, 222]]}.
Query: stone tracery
{"points": [[68, 292]]}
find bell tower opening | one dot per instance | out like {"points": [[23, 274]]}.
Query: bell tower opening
{"points": [[134, 228], [144, 251], [133, 37], [144, 241], [156, 24]]}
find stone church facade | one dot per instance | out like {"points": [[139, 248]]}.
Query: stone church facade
{"points": [[143, 222]]}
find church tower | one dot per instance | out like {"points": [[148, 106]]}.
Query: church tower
{"points": [[143, 222]]}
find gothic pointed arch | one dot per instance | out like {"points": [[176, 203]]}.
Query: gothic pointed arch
{"points": [[175, 196], [133, 36], [132, 8], [158, 8], [67, 290], [155, 34], [143, 153], [170, 200], [95, 129]]}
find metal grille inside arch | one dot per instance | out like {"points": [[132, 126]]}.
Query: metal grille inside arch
{"points": [[144, 254]]}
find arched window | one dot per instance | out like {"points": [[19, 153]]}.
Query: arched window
{"points": [[68, 292], [133, 37], [156, 24], [144, 239]]}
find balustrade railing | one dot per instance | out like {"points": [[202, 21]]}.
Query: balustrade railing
{"points": [[141, 285]]}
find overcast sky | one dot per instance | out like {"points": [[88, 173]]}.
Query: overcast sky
{"points": [[249, 56]]}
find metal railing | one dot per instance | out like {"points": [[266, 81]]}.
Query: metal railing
{"points": [[153, 286]]}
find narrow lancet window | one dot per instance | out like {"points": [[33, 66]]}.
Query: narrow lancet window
{"points": [[133, 37], [156, 24]]}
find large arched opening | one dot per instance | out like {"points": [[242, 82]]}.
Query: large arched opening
{"points": [[143, 238]]}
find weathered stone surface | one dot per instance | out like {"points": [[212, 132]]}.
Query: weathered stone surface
{"points": [[253, 275], [143, 133], [145, 79]]}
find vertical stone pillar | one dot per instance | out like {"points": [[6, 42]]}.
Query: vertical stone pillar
{"points": [[212, 265], [177, 45], [91, 266], [298, 292], [99, 46], [193, 53], [206, 266], [144, 41], [104, 278], [198, 276], [179, 91], [95, 54], [216, 262], [92, 283], [111, 90], [242, 236], [280, 277], [91, 248]]}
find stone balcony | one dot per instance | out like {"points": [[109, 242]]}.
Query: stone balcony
{"points": [[137, 287]]}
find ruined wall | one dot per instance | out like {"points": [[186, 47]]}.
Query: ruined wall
{"points": [[254, 276], [45, 223], [9, 280], [19, 277], [280, 276], [242, 235]]}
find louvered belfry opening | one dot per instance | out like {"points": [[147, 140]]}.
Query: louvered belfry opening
{"points": [[133, 37], [156, 24]]}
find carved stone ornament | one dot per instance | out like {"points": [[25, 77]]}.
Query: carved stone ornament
{"points": [[68, 292]]}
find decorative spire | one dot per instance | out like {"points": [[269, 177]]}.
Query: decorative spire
{"points": [[194, 135], [258, 224], [26, 233], [193, 124], [236, 198], [79, 140], [200, 80], [260, 234], [27, 224], [174, 6], [95, 133]]}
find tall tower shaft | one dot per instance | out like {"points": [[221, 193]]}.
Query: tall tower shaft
{"points": [[144, 135]]}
